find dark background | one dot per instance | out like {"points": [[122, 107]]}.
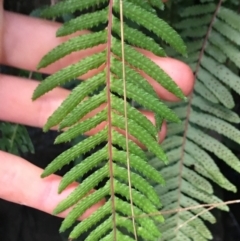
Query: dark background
{"points": [[20, 223]]}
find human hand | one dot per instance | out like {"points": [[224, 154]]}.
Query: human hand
{"points": [[24, 42]]}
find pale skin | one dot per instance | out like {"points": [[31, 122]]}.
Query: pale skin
{"points": [[23, 42]]}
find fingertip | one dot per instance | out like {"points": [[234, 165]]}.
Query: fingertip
{"points": [[180, 72]]}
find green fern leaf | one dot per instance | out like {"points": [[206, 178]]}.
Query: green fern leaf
{"points": [[216, 124], [141, 135], [79, 209], [135, 115], [82, 127], [216, 110], [74, 152], [216, 147], [230, 51], [189, 202], [82, 168], [141, 232], [143, 4], [140, 96], [138, 164], [15, 139], [72, 45], [76, 96], [68, 73], [139, 183], [147, 206], [120, 140], [69, 6], [194, 22], [227, 31], [136, 79], [223, 73], [96, 217], [137, 38], [143, 17], [125, 208], [198, 10], [132, 77], [218, 89], [85, 21], [203, 91], [156, 3], [140, 61], [101, 230], [230, 17], [87, 185], [82, 109]]}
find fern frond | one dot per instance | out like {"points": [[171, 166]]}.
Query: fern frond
{"points": [[213, 42], [122, 166]]}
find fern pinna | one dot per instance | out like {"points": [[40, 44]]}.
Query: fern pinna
{"points": [[212, 33], [129, 177], [14, 138]]}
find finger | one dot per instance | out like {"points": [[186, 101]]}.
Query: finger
{"points": [[41, 35], [177, 70], [1, 26], [16, 94], [18, 106], [20, 183]]}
